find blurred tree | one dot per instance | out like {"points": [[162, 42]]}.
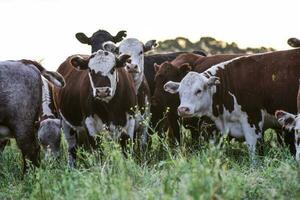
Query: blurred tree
{"points": [[208, 44]]}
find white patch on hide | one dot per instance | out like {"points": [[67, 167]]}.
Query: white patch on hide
{"points": [[46, 99], [94, 125]]}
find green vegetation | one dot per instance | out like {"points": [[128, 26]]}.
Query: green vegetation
{"points": [[219, 169]]}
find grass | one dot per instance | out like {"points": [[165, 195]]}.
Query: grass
{"points": [[219, 169]]}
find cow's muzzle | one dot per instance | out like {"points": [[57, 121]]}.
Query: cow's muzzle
{"points": [[132, 68], [184, 111], [103, 92]]}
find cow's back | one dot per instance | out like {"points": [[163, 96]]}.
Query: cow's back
{"points": [[261, 82], [20, 92], [203, 64], [149, 61]]}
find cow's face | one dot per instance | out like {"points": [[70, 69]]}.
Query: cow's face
{"points": [[164, 73], [291, 122], [49, 135], [102, 71], [195, 92], [136, 50], [99, 37]]}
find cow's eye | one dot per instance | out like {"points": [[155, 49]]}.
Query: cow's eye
{"points": [[112, 70], [141, 53], [198, 92]]}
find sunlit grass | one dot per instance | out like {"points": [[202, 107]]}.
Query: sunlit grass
{"points": [[218, 169]]}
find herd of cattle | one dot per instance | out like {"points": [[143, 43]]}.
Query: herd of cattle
{"points": [[118, 87]]}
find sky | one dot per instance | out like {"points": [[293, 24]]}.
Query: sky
{"points": [[44, 30]]}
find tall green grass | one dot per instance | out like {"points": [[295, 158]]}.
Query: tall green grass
{"points": [[219, 169]]}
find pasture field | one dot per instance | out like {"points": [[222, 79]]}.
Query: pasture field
{"points": [[219, 169]]}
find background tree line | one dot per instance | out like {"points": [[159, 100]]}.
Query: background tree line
{"points": [[208, 44]]}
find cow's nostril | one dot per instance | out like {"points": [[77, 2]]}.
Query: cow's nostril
{"points": [[183, 110]]}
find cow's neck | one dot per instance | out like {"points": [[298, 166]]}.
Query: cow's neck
{"points": [[111, 112], [47, 106], [138, 79]]}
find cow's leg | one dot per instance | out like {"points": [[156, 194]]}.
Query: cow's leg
{"points": [[70, 136], [3, 143], [130, 126], [141, 130], [251, 140], [144, 131], [94, 125], [4, 133], [174, 133], [28, 144]]}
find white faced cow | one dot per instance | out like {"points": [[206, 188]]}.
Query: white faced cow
{"points": [[241, 95], [135, 67], [99, 94]]}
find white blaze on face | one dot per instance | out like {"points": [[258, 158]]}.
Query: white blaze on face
{"points": [[195, 94], [135, 49], [103, 63]]}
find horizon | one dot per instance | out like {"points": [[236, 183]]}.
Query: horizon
{"points": [[45, 29]]}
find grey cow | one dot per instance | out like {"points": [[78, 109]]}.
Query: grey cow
{"points": [[20, 103]]}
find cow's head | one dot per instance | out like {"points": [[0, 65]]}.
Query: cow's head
{"points": [[195, 92], [135, 49], [164, 73], [99, 37], [292, 123], [49, 135], [102, 70]]}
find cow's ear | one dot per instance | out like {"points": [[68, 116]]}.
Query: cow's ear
{"points": [[150, 45], [171, 87], [121, 60], [156, 67], [81, 37], [294, 42], [185, 68], [111, 47], [213, 81], [120, 35], [80, 63], [285, 119]]}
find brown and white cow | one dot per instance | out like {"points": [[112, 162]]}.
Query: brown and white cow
{"points": [[135, 67], [100, 94], [175, 71], [291, 122], [241, 95]]}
